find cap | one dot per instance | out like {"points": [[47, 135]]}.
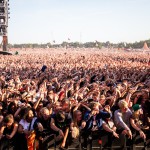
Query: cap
{"points": [[136, 107]]}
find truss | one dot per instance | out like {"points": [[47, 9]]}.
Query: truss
{"points": [[4, 23]]}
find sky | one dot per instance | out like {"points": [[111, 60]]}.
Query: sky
{"points": [[43, 21]]}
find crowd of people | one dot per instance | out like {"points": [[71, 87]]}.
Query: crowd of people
{"points": [[59, 95]]}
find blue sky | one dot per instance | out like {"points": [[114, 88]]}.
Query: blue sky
{"points": [[42, 21]]}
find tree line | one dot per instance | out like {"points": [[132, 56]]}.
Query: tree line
{"points": [[135, 45]]}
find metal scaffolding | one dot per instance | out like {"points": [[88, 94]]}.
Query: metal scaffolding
{"points": [[4, 23]]}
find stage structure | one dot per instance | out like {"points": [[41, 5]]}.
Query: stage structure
{"points": [[4, 12]]}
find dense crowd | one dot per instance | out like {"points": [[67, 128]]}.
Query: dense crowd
{"points": [[73, 93]]}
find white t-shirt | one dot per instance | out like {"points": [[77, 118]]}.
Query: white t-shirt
{"points": [[26, 124]]}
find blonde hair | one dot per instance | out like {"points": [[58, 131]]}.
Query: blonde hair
{"points": [[136, 114], [93, 105], [75, 129], [122, 104], [9, 118], [75, 132]]}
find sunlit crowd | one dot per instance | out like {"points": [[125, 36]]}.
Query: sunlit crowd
{"points": [[58, 95]]}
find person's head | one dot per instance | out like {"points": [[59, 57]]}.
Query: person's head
{"points": [[119, 86], [45, 113], [9, 120], [29, 98], [28, 114], [102, 100], [123, 105], [95, 96], [57, 106], [50, 96], [77, 115], [65, 105], [137, 108], [60, 116], [94, 106], [12, 108]]}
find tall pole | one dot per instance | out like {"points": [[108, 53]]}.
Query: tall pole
{"points": [[4, 23]]}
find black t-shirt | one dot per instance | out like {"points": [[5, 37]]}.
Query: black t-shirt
{"points": [[46, 126], [8, 130], [63, 125]]}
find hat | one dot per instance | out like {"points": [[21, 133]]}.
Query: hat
{"points": [[24, 95], [136, 107]]}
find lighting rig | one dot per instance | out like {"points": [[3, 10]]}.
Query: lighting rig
{"points": [[4, 16]]}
